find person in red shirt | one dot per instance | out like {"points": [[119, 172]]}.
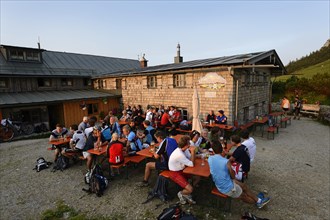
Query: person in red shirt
{"points": [[166, 121], [115, 152], [176, 115]]}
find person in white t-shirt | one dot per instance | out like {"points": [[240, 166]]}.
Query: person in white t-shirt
{"points": [[176, 164], [250, 143], [77, 142]]}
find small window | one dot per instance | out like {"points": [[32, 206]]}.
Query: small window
{"points": [[246, 114], [87, 82], [256, 109], [16, 55], [66, 82], [152, 82], [92, 108], [179, 80], [118, 84], [44, 82], [3, 83], [32, 56]]}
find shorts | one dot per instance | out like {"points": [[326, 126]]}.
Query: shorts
{"points": [[85, 154], [161, 165], [235, 192], [180, 178]]}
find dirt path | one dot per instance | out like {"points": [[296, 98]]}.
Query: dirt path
{"points": [[293, 169]]}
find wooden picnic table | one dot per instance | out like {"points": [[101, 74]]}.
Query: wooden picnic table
{"points": [[260, 122], [198, 169], [276, 115], [221, 126], [145, 152], [60, 141], [99, 152]]}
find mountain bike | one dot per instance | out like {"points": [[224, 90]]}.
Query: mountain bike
{"points": [[9, 129]]}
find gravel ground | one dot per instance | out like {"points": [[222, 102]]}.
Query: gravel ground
{"points": [[293, 170]]}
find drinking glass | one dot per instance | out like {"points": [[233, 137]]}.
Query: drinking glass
{"points": [[203, 160]]}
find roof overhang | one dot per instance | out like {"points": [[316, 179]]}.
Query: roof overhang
{"points": [[46, 97]]}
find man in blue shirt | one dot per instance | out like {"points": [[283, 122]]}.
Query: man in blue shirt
{"points": [[224, 179]]}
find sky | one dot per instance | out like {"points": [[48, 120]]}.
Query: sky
{"points": [[204, 29]]}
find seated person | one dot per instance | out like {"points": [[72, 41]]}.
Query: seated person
{"points": [[125, 116], [115, 152], [224, 178], [211, 116], [77, 142], [149, 132], [176, 115], [57, 133], [166, 120], [221, 118], [195, 139], [240, 155], [250, 143], [129, 110], [130, 139], [214, 134], [204, 140], [166, 147], [94, 139], [176, 164], [84, 124], [132, 124], [91, 123]]}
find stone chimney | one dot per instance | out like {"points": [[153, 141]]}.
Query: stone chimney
{"points": [[143, 62], [178, 58]]}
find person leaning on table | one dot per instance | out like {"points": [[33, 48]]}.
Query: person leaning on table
{"points": [[224, 178], [57, 133]]}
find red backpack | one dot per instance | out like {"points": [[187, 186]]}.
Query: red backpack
{"points": [[115, 152]]}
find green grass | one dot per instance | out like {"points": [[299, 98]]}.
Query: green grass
{"points": [[308, 72]]}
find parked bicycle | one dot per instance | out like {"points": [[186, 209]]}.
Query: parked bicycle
{"points": [[9, 129]]}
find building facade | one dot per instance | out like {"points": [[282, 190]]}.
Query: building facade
{"points": [[246, 94], [49, 87]]}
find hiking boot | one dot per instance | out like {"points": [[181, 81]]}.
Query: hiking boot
{"points": [[263, 202], [189, 199], [182, 200], [143, 184]]}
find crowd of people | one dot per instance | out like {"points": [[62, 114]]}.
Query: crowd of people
{"points": [[136, 130]]}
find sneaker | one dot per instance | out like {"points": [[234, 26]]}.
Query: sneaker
{"points": [[143, 184], [189, 199], [182, 200], [261, 195], [263, 202]]}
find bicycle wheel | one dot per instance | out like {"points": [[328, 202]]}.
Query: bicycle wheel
{"points": [[27, 128], [6, 134]]}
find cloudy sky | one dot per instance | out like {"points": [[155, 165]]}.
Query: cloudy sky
{"points": [[205, 29]]}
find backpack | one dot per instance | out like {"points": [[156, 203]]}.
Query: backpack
{"points": [[96, 170], [107, 133], [41, 164], [97, 182], [159, 190], [61, 163], [175, 212]]}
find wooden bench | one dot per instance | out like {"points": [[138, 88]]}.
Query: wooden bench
{"points": [[285, 121], [219, 195], [246, 126], [272, 129], [310, 109], [118, 166], [183, 131]]}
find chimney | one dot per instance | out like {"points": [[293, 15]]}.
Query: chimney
{"points": [[143, 62], [178, 58]]}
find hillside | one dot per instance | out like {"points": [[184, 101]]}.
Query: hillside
{"points": [[308, 72]]}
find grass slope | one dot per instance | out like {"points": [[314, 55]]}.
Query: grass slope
{"points": [[308, 72]]}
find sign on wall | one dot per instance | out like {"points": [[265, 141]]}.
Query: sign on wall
{"points": [[210, 94]]}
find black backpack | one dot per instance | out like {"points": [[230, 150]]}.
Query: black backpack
{"points": [[41, 164], [175, 212], [97, 182], [159, 190], [61, 163]]}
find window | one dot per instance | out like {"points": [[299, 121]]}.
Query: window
{"points": [[87, 82], [246, 114], [66, 82], [16, 55], [44, 82], [184, 113], [256, 109], [118, 84], [3, 83], [32, 56], [179, 80], [152, 81], [92, 108]]}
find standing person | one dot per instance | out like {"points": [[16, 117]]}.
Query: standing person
{"points": [[211, 116], [221, 118], [297, 107], [176, 164], [224, 178], [285, 105], [250, 143], [57, 133], [84, 124], [166, 147]]}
